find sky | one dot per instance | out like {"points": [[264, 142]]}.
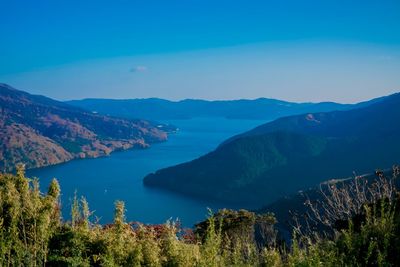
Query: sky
{"points": [[344, 51]]}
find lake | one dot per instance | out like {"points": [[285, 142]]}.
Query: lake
{"points": [[119, 176]]}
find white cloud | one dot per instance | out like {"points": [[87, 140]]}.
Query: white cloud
{"points": [[138, 69]]}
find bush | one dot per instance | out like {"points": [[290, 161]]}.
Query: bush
{"points": [[32, 234]]}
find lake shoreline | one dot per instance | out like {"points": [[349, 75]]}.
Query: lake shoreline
{"points": [[119, 176]]}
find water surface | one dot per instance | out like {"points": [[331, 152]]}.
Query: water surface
{"points": [[119, 176]]}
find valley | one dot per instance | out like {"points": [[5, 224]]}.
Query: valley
{"points": [[120, 175]]}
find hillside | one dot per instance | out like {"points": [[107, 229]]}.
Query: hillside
{"points": [[290, 154], [38, 131], [160, 109]]}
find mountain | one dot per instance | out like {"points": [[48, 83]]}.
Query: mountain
{"points": [[38, 131], [160, 109], [289, 154]]}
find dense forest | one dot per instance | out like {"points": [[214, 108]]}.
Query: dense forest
{"points": [[355, 224]]}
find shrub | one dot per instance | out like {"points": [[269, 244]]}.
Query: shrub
{"points": [[32, 232]]}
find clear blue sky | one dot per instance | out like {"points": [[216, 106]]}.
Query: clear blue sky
{"points": [[296, 50]]}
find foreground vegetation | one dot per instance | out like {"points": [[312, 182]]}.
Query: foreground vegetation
{"points": [[32, 232]]}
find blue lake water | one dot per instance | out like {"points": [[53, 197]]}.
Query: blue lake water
{"points": [[119, 176]]}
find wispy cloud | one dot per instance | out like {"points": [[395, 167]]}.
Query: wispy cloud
{"points": [[385, 57], [138, 69]]}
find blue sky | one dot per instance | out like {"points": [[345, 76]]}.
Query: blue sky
{"points": [[296, 50]]}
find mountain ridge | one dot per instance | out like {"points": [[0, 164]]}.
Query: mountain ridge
{"points": [[39, 131], [162, 109], [291, 153]]}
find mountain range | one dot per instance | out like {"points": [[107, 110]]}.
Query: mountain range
{"points": [[38, 131], [291, 153], [161, 109]]}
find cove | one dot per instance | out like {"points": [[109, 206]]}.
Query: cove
{"points": [[119, 176]]}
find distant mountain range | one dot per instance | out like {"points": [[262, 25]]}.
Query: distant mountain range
{"points": [[38, 131], [160, 109], [290, 154]]}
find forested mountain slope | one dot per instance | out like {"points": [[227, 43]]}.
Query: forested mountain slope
{"points": [[289, 154]]}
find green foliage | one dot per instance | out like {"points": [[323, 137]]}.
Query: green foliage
{"points": [[28, 220], [375, 240], [270, 258], [32, 234]]}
